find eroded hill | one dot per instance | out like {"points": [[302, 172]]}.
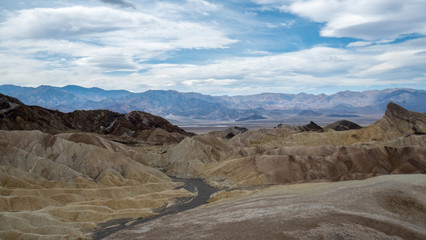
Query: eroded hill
{"points": [[62, 174], [395, 144]]}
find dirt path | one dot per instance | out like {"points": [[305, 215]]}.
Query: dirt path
{"points": [[193, 185]]}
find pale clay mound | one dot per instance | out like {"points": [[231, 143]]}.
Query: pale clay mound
{"points": [[62, 186], [386, 207]]}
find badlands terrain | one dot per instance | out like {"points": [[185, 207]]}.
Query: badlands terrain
{"points": [[100, 174]]}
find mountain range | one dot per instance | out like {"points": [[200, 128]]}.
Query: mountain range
{"points": [[184, 107]]}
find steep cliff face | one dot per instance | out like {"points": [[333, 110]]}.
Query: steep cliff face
{"points": [[404, 121], [14, 115]]}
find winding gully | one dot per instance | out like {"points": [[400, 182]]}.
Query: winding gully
{"points": [[193, 184]]}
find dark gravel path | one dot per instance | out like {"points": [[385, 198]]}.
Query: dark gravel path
{"points": [[192, 185]]}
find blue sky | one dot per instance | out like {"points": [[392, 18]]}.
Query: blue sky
{"points": [[215, 47]]}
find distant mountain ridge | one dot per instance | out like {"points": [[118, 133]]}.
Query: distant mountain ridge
{"points": [[175, 105], [15, 115]]}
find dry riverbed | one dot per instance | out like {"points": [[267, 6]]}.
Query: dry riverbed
{"points": [[202, 193]]}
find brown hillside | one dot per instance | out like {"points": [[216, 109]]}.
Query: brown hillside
{"points": [[14, 115]]}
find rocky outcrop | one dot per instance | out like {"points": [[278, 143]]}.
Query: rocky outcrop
{"points": [[342, 125], [406, 122], [14, 115], [311, 126], [229, 132]]}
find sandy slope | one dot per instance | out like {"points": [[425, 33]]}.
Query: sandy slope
{"points": [[386, 207], [62, 186]]}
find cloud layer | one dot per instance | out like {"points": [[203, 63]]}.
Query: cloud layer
{"points": [[363, 19], [319, 67], [99, 38], [118, 44]]}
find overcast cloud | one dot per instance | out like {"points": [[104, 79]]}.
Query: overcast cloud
{"points": [[215, 47]]}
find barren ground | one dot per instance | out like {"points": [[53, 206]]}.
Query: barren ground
{"points": [[385, 207]]}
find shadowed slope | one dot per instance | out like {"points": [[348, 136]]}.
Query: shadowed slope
{"points": [[14, 115]]}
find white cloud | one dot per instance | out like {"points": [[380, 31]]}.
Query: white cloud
{"points": [[319, 67], [203, 5], [106, 26], [288, 23], [281, 24], [102, 36], [360, 44], [363, 19]]}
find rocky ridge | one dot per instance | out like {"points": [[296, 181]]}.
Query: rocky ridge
{"points": [[14, 115], [229, 132], [342, 125]]}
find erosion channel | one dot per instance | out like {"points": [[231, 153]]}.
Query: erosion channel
{"points": [[193, 185]]}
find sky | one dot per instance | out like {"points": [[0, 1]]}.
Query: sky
{"points": [[215, 47]]}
